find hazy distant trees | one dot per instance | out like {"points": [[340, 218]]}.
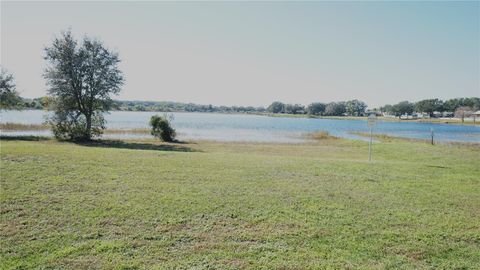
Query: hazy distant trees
{"points": [[355, 107], [464, 111], [473, 102], [8, 94], [432, 105], [294, 109], [453, 104], [279, 107], [335, 109], [276, 107], [429, 106], [386, 109], [399, 109], [81, 79], [316, 108], [403, 107]]}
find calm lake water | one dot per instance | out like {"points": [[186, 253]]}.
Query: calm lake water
{"points": [[239, 127]]}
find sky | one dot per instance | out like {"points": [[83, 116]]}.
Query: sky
{"points": [[254, 53]]}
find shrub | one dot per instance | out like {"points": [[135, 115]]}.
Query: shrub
{"points": [[162, 129], [75, 127], [321, 135]]}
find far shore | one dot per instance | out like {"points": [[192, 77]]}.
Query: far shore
{"points": [[455, 121]]}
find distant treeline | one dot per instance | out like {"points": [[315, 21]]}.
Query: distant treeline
{"points": [[169, 106], [352, 107], [342, 108], [458, 106], [432, 107], [148, 106]]}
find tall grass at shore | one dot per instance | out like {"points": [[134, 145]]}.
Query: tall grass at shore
{"points": [[33, 127], [8, 126]]}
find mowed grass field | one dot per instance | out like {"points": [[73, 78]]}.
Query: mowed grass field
{"points": [[211, 205]]}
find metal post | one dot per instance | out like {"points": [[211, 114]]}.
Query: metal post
{"points": [[370, 147], [372, 119], [431, 131]]}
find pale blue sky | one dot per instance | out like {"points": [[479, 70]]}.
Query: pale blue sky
{"points": [[253, 53]]}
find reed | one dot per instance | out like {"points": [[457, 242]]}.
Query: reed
{"points": [[8, 126], [320, 135]]}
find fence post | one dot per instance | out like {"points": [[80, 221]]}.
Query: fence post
{"points": [[431, 131], [370, 147]]}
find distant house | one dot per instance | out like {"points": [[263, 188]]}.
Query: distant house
{"points": [[476, 114], [447, 114], [376, 113], [437, 114], [422, 115]]}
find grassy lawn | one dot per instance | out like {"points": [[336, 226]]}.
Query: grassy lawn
{"points": [[206, 205]]}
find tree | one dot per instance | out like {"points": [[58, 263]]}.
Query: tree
{"points": [[387, 109], [293, 108], [473, 102], [402, 108], [162, 129], [316, 108], [276, 107], [81, 79], [355, 107], [452, 104], [429, 106], [8, 95], [335, 109], [462, 112]]}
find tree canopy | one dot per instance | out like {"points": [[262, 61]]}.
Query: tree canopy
{"points": [[276, 107], [316, 108], [8, 95], [429, 106], [453, 104], [81, 79], [355, 107], [294, 109], [402, 108], [335, 109]]}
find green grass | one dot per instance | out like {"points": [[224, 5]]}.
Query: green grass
{"points": [[206, 205]]}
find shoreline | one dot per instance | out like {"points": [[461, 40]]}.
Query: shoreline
{"points": [[453, 121], [450, 121], [311, 138]]}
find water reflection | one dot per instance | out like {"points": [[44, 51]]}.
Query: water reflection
{"points": [[235, 127]]}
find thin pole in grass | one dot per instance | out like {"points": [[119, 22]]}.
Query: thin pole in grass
{"points": [[431, 134], [370, 147], [372, 120]]}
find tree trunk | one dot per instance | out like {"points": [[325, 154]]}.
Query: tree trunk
{"points": [[88, 134]]}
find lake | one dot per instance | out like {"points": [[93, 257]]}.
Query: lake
{"points": [[243, 127]]}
